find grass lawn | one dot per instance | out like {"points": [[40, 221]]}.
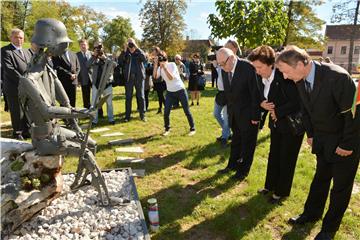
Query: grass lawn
{"points": [[195, 202]]}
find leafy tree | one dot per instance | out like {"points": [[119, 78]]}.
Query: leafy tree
{"points": [[252, 22], [89, 22], [347, 11], [163, 24], [10, 20], [304, 27], [117, 32]]}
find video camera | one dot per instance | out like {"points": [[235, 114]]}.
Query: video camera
{"points": [[212, 55], [131, 45]]}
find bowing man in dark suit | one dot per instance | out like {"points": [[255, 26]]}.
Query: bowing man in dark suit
{"points": [[14, 62], [327, 92], [67, 67], [280, 98], [85, 79], [243, 102]]}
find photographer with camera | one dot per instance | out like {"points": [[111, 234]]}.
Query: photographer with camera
{"points": [[97, 62], [175, 90], [133, 60]]}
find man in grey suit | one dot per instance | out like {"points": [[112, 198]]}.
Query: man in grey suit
{"points": [[68, 67], [84, 77], [14, 62]]}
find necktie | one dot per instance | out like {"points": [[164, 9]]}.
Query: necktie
{"points": [[21, 53], [84, 55], [230, 77], [308, 86]]}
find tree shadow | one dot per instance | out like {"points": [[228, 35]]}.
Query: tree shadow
{"points": [[299, 232], [238, 220], [184, 200]]}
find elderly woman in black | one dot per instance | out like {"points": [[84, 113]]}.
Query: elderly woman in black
{"points": [[280, 98]]}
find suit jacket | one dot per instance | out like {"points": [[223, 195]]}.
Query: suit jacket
{"points": [[243, 99], [13, 65], [284, 95], [65, 68], [328, 108], [85, 75], [126, 60]]}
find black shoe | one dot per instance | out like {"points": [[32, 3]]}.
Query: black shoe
{"points": [[218, 139], [159, 111], [263, 191], [275, 200], [26, 135], [143, 119], [18, 136], [238, 176], [192, 104], [198, 103], [112, 122], [225, 170], [325, 236], [302, 219]]}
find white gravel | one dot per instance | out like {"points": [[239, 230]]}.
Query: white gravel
{"points": [[79, 216]]}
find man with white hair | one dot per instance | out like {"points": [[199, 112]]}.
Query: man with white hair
{"points": [[14, 62], [243, 105]]}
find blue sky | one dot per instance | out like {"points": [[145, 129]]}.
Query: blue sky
{"points": [[195, 17]]}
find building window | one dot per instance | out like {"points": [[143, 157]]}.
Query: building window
{"points": [[343, 50], [330, 49], [357, 50]]}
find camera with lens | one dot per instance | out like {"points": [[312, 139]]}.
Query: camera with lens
{"points": [[131, 45], [99, 50], [162, 58], [211, 57]]}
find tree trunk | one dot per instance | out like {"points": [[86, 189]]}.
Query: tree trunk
{"points": [[351, 50], [289, 15]]}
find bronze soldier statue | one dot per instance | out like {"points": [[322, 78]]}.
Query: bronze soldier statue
{"points": [[39, 90]]}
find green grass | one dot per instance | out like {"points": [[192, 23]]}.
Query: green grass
{"points": [[195, 202]]}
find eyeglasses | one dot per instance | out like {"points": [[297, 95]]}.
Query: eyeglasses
{"points": [[223, 64]]}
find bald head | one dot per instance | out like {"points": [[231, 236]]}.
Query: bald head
{"points": [[226, 59]]}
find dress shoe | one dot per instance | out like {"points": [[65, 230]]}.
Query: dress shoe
{"points": [[112, 122], [218, 139], [26, 134], [159, 111], [18, 136], [225, 170], [325, 236], [302, 219], [192, 103], [223, 142], [238, 176], [275, 200], [144, 119], [263, 191]]}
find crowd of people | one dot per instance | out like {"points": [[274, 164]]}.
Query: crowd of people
{"points": [[298, 95]]}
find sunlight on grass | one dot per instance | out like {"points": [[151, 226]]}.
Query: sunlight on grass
{"points": [[195, 202]]}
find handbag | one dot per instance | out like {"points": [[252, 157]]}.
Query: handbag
{"points": [[296, 123], [201, 82], [220, 98]]}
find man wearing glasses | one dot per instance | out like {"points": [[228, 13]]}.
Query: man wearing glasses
{"points": [[243, 101]]}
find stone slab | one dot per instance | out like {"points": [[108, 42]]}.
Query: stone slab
{"points": [[97, 130], [114, 134], [121, 141], [138, 172], [129, 160], [130, 149]]}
